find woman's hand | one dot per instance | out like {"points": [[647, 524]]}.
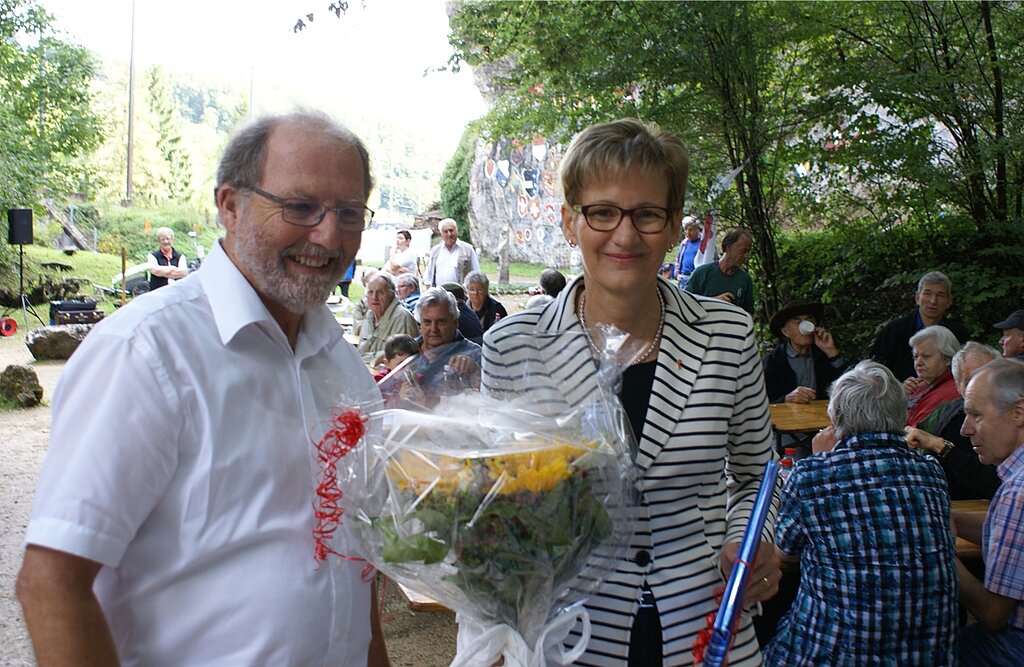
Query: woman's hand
{"points": [[765, 575], [919, 439], [912, 384]]}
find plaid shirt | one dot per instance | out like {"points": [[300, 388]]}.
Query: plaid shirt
{"points": [[1003, 537], [878, 583]]}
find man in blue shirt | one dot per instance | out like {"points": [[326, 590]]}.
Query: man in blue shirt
{"points": [[688, 250], [994, 405]]}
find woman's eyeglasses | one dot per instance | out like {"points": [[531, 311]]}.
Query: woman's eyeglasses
{"points": [[606, 217]]}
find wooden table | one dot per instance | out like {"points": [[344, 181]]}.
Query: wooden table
{"points": [[966, 550], [418, 601], [799, 417]]}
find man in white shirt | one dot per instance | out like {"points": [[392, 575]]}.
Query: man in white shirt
{"points": [[174, 521], [403, 257], [451, 260]]}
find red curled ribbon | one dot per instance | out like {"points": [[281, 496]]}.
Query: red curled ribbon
{"points": [[347, 429]]}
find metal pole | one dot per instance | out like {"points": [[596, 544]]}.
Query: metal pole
{"points": [[131, 112], [21, 284]]}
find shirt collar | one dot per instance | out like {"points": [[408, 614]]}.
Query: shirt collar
{"points": [[793, 354], [236, 305], [871, 440], [1012, 465]]}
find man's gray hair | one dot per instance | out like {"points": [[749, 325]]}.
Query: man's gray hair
{"points": [[935, 278], [945, 341], [448, 221], [866, 399], [973, 350], [477, 277], [407, 279], [438, 296], [1005, 379], [241, 165], [389, 283]]}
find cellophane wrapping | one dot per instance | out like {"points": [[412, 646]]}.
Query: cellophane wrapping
{"points": [[509, 506]]}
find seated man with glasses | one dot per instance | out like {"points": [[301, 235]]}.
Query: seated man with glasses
{"points": [[726, 279]]}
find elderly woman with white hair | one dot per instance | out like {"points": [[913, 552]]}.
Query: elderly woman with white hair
{"points": [[934, 386], [868, 520], [486, 307]]}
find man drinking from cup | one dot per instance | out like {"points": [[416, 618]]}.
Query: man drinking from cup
{"points": [[803, 366]]}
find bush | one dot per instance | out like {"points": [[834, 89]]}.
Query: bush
{"points": [[867, 276]]}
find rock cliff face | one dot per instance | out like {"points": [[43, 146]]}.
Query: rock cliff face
{"points": [[514, 197], [515, 200]]}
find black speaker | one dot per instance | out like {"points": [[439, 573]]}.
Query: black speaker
{"points": [[19, 226]]}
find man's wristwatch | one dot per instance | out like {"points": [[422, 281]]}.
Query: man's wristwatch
{"points": [[947, 447]]}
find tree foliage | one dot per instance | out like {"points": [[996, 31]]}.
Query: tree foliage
{"points": [[47, 124], [455, 182]]}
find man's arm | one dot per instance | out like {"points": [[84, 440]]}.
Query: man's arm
{"points": [[969, 525], [991, 609], [64, 618]]}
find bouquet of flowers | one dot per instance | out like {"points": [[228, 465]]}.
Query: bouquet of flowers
{"points": [[507, 506]]}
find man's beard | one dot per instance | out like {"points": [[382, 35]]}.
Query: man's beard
{"points": [[272, 279]]}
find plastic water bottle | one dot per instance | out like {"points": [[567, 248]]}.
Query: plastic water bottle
{"points": [[786, 464], [451, 381]]}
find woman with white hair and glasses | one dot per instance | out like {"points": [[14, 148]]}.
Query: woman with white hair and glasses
{"points": [[868, 521], [934, 348], [694, 396]]}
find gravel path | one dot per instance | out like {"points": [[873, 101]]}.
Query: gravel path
{"points": [[414, 639]]}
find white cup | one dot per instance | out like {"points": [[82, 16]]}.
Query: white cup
{"points": [[806, 327]]}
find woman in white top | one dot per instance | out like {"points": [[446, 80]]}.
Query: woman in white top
{"points": [[694, 396], [403, 258]]}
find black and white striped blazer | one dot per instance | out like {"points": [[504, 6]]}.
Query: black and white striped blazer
{"points": [[705, 441]]}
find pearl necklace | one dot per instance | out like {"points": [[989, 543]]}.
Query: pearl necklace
{"points": [[650, 347]]}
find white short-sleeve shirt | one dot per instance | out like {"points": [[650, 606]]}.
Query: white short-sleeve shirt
{"points": [[182, 459]]}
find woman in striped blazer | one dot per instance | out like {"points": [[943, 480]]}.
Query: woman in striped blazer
{"points": [[694, 396]]}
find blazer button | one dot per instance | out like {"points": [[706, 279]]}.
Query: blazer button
{"points": [[642, 558]]}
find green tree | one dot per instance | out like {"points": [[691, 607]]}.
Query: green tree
{"points": [[47, 125], [920, 107], [176, 180]]}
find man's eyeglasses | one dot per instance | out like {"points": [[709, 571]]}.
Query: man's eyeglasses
{"points": [[307, 213], [606, 217]]}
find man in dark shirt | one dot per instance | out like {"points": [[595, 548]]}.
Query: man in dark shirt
{"points": [[1012, 338], [801, 369], [934, 297]]}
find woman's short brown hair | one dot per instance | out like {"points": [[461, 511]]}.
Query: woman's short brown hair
{"points": [[620, 145]]}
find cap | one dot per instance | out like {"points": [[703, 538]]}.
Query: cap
{"points": [[791, 310], [1014, 321], [456, 289]]}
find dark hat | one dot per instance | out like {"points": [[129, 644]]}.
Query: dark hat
{"points": [[791, 310], [1014, 321], [456, 289]]}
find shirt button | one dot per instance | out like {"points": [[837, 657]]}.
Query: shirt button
{"points": [[642, 558]]}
